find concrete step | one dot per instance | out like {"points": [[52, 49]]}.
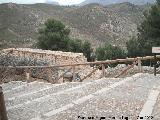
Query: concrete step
{"points": [[31, 96], [12, 85], [59, 99], [67, 101], [126, 100], [23, 89]]}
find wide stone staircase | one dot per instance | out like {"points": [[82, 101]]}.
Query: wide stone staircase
{"points": [[71, 101]]}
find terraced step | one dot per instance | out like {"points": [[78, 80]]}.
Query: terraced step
{"points": [[31, 96], [23, 89], [56, 100], [12, 85], [103, 97], [127, 100]]}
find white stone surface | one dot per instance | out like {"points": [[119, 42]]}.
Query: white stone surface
{"points": [[149, 105], [65, 101]]}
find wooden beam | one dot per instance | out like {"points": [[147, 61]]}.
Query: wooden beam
{"points": [[94, 70], [103, 70], [139, 65], [3, 112], [49, 73], [90, 63], [155, 62], [27, 76], [74, 73], [124, 71]]}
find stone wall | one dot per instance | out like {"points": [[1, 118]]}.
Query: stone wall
{"points": [[58, 57], [55, 58], [11, 74]]}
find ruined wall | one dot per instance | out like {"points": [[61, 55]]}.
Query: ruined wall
{"points": [[55, 58], [58, 57]]}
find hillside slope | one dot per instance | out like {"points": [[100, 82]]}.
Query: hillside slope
{"points": [[96, 23], [107, 2], [19, 23]]}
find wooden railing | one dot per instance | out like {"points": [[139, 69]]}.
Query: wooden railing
{"points": [[94, 63], [101, 64], [138, 60]]}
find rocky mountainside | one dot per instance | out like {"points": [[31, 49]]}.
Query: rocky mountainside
{"points": [[18, 24], [96, 23], [107, 2]]}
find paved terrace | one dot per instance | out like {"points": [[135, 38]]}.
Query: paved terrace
{"points": [[103, 99]]}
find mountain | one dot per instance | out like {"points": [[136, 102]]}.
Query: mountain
{"points": [[18, 24], [93, 22], [107, 2]]}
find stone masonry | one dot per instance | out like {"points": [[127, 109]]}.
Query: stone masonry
{"points": [[57, 57]]}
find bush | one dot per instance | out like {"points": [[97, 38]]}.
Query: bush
{"points": [[109, 52]]}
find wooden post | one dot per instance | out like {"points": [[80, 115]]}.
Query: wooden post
{"points": [[74, 74], [139, 65], [155, 62], [50, 76], [103, 70], [3, 112], [49, 72], [55, 59], [27, 75]]}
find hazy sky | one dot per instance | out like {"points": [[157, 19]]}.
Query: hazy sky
{"points": [[68, 2], [62, 2]]}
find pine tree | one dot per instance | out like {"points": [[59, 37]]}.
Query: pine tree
{"points": [[87, 50], [149, 30], [54, 36]]}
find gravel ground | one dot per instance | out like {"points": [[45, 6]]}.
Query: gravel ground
{"points": [[57, 101], [11, 85], [21, 114], [50, 90], [28, 87], [58, 97], [126, 100]]}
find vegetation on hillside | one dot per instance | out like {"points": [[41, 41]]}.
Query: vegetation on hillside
{"points": [[149, 34], [109, 52], [95, 23], [55, 36]]}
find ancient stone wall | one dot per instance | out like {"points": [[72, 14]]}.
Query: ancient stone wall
{"points": [[58, 57], [55, 58]]}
